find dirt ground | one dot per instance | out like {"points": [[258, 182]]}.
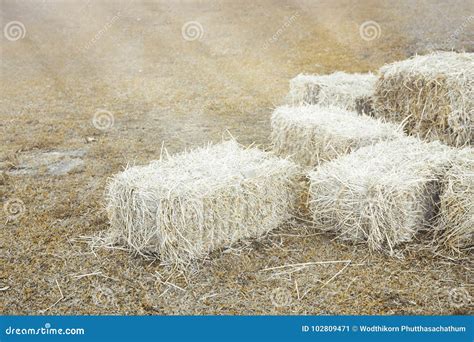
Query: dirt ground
{"points": [[133, 67]]}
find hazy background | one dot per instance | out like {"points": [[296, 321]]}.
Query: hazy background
{"points": [[90, 86]]}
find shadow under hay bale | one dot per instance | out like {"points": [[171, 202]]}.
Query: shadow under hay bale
{"points": [[433, 95], [311, 135], [456, 215], [337, 89], [382, 194], [190, 204], [364, 105]]}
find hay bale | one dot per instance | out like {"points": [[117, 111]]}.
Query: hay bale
{"points": [[190, 204], [456, 204], [433, 95], [314, 134], [337, 89], [381, 194]]}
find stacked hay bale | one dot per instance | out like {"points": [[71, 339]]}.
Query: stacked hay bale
{"points": [[338, 89], [381, 194], [315, 134], [187, 205], [456, 204], [433, 95]]}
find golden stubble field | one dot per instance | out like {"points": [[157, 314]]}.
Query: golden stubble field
{"points": [[129, 65]]}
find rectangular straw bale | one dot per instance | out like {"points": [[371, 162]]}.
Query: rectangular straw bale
{"points": [[187, 205], [311, 135], [432, 94], [337, 89], [381, 194], [457, 204]]}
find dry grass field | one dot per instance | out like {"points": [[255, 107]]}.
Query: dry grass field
{"points": [[133, 67]]}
